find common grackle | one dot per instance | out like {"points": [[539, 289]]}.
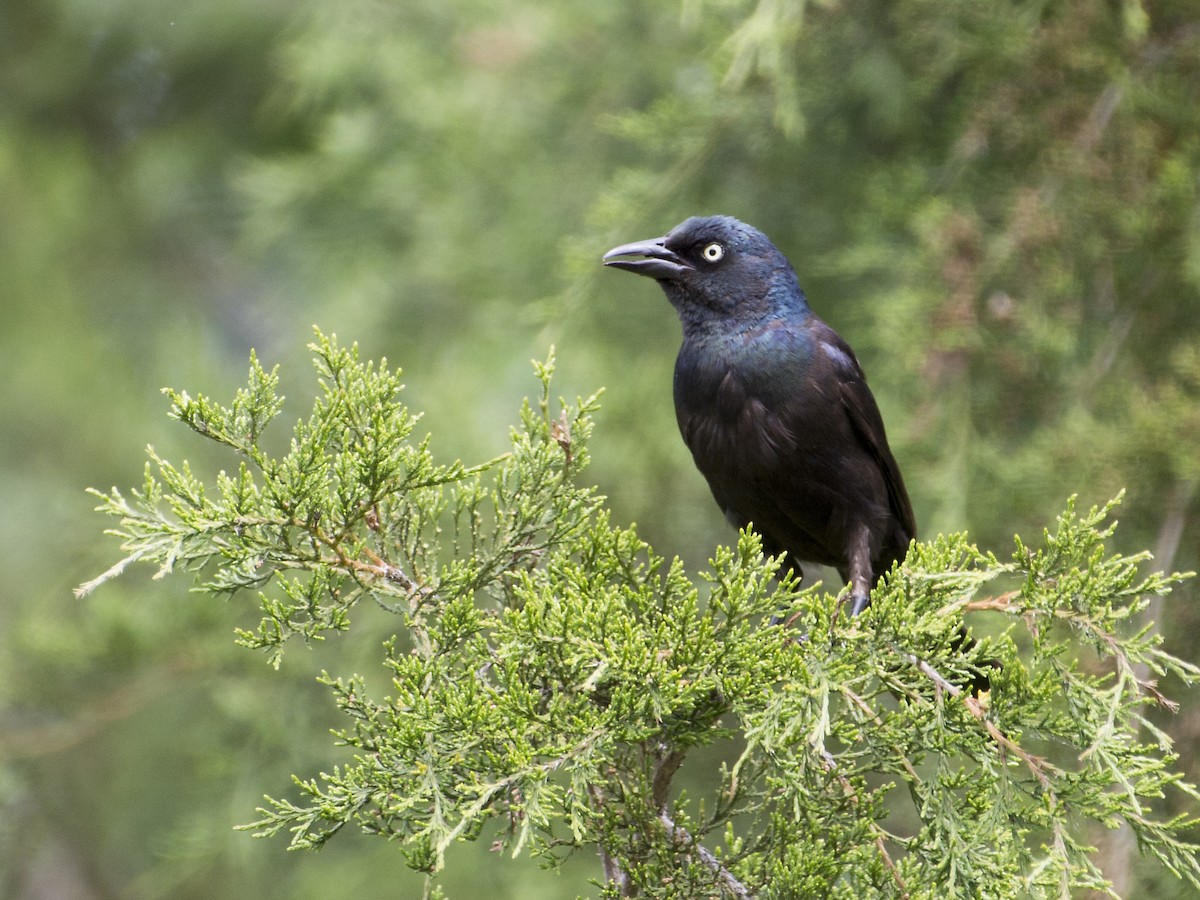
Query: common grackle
{"points": [[774, 405]]}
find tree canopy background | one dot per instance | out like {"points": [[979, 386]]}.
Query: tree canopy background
{"points": [[996, 203]]}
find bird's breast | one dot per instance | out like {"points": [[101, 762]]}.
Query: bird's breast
{"points": [[748, 411]]}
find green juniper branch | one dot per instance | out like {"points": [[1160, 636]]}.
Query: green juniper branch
{"points": [[551, 675]]}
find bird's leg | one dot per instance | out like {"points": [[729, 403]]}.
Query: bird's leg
{"points": [[858, 573]]}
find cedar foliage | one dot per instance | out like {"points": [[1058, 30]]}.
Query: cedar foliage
{"points": [[550, 674]]}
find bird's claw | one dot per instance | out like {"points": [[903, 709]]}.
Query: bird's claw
{"points": [[859, 602]]}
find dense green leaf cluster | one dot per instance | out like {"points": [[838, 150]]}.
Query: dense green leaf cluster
{"points": [[550, 675]]}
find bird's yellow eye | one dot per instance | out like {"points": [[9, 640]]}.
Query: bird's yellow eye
{"points": [[713, 252]]}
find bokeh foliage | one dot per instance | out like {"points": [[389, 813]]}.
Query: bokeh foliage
{"points": [[994, 202]]}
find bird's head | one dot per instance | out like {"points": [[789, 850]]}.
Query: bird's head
{"points": [[714, 267]]}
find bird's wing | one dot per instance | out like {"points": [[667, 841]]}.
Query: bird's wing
{"points": [[867, 422]]}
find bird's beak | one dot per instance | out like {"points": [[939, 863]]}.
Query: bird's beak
{"points": [[656, 260]]}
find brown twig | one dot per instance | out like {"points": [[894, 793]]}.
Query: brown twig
{"points": [[613, 873], [1036, 765], [680, 835], [1003, 601], [664, 770]]}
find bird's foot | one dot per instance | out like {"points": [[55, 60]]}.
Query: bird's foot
{"points": [[859, 601]]}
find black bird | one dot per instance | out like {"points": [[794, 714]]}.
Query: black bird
{"points": [[774, 405]]}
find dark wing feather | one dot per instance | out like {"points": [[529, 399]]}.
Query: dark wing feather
{"points": [[864, 416]]}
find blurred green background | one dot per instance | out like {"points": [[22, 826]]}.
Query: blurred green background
{"points": [[994, 202]]}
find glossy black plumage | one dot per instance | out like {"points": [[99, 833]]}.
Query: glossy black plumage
{"points": [[774, 405]]}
